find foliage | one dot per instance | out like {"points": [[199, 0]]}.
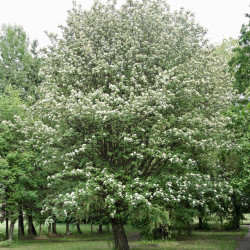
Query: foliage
{"points": [[226, 48], [240, 62], [7, 243], [19, 61], [130, 95], [133, 121], [21, 181], [236, 161]]}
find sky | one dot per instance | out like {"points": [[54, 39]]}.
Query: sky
{"points": [[222, 18]]}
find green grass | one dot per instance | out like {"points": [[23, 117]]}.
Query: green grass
{"points": [[209, 240], [87, 240], [61, 230]]}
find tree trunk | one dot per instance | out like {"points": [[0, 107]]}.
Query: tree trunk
{"points": [[200, 223], [31, 228], [20, 225], [100, 228], [78, 228], [12, 225], [120, 238], [30, 233], [91, 226], [188, 228], [67, 227], [40, 230], [236, 216], [49, 229], [34, 229], [7, 228], [54, 227]]}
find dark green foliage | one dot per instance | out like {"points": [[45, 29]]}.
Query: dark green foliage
{"points": [[236, 162]]}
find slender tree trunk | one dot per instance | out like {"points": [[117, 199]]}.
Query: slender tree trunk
{"points": [[100, 228], [91, 226], [7, 228], [188, 228], [54, 227], [49, 229], [200, 222], [40, 230], [67, 227], [78, 228], [34, 229], [120, 238], [12, 225], [20, 225]]}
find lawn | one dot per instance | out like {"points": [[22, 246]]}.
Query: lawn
{"points": [[209, 240], [213, 239]]}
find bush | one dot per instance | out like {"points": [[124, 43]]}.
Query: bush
{"points": [[6, 243]]}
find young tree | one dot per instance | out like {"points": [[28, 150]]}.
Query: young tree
{"points": [[130, 95], [22, 182], [236, 162], [240, 62], [9, 106], [19, 61], [19, 66]]}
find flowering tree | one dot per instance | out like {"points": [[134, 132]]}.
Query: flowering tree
{"points": [[130, 95]]}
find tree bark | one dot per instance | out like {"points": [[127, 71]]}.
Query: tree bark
{"points": [[201, 215], [49, 229], [91, 226], [188, 228], [11, 234], [67, 227], [120, 238], [34, 229], [40, 230], [237, 213], [200, 223], [54, 227], [30, 233], [31, 228], [78, 228], [20, 225], [100, 228], [7, 228]]}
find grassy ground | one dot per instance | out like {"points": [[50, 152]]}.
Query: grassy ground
{"points": [[213, 240], [209, 240]]}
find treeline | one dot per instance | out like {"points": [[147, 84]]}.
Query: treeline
{"points": [[130, 117]]}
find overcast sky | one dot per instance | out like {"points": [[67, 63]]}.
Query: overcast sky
{"points": [[222, 18]]}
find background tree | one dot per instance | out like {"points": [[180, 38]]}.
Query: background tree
{"points": [[240, 62], [19, 61], [237, 161], [19, 66]]}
